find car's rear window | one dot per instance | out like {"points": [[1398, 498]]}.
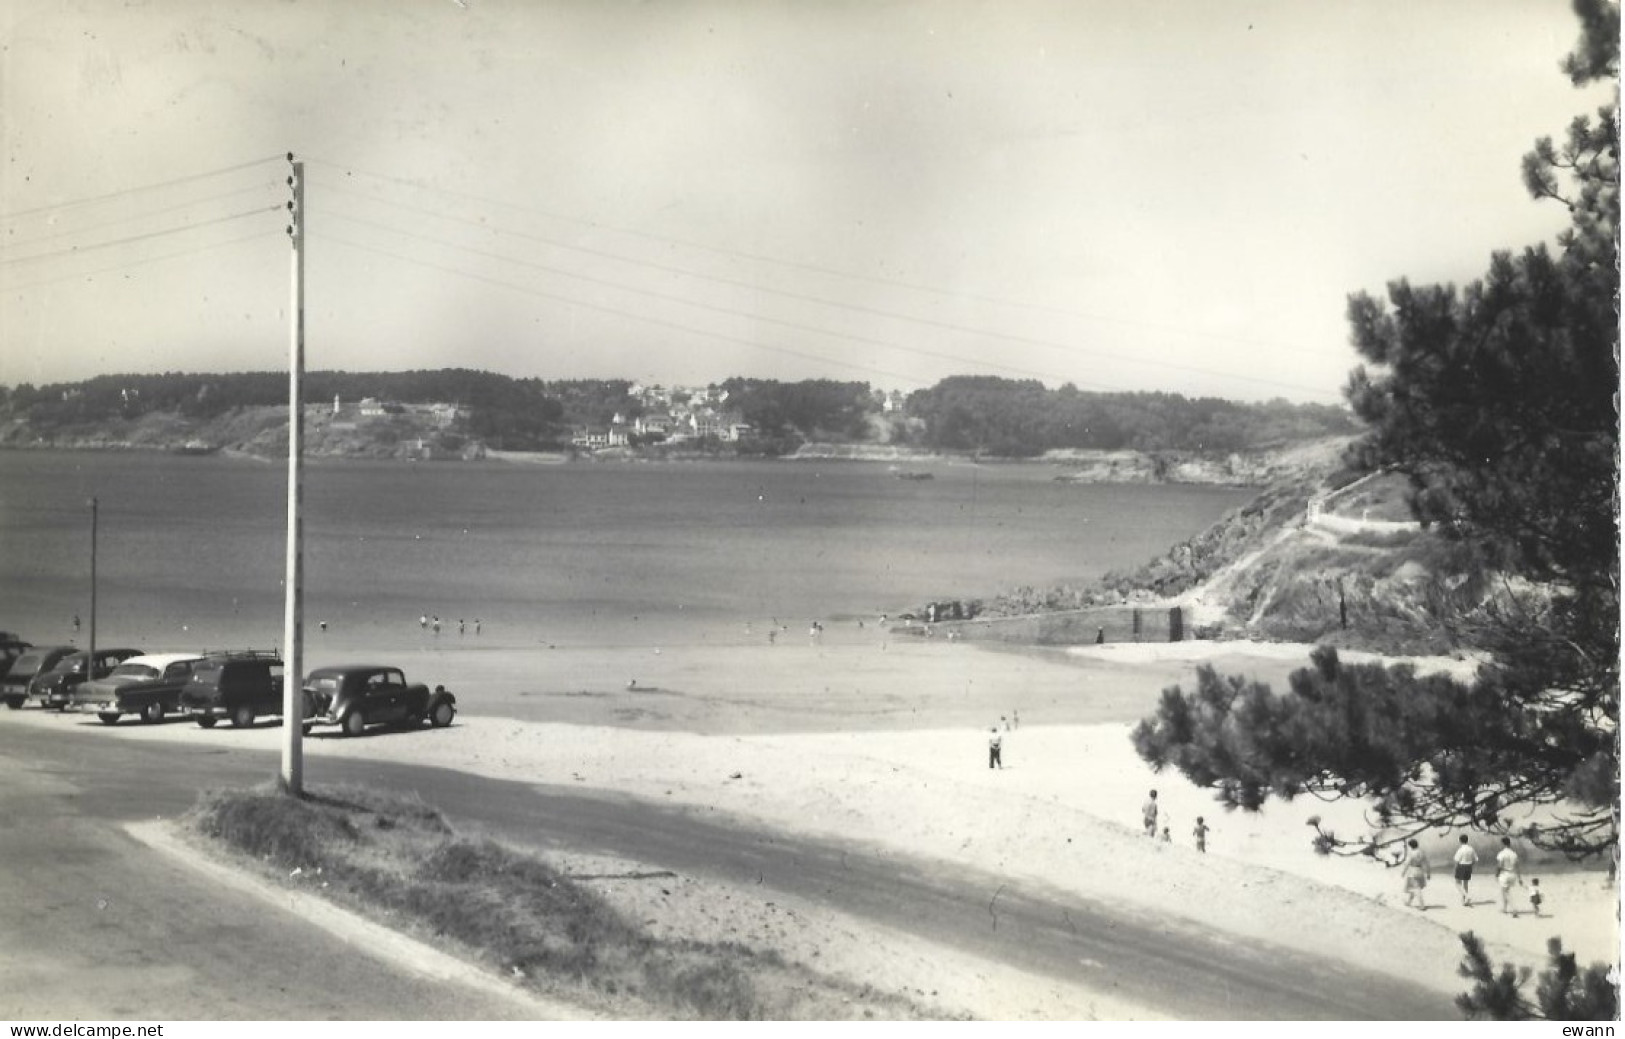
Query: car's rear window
{"points": [[325, 685], [28, 662], [135, 671]]}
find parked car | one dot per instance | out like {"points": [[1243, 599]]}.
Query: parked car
{"points": [[33, 661], [54, 688], [355, 696], [11, 647], [241, 686], [149, 686]]}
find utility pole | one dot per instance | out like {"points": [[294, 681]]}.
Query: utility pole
{"points": [[292, 778], [90, 663]]}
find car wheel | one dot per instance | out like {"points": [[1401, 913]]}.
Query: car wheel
{"points": [[16, 702], [242, 717], [108, 717], [355, 723], [206, 721], [153, 712], [442, 714]]}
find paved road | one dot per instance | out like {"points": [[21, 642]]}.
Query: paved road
{"points": [[99, 780], [96, 926]]}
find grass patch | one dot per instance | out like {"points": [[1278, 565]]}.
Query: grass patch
{"points": [[396, 859]]}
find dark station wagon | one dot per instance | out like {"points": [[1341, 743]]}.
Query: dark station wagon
{"points": [[355, 696], [35, 660], [241, 686], [54, 688]]}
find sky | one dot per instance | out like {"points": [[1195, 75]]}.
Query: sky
{"points": [[1166, 195]]}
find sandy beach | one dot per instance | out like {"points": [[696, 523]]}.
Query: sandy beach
{"points": [[867, 737]]}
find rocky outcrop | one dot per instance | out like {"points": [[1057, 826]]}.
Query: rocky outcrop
{"points": [[1321, 555]]}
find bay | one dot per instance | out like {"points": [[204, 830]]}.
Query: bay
{"points": [[190, 550]]}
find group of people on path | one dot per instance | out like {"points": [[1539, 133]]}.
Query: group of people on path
{"points": [[1417, 871], [1151, 815]]}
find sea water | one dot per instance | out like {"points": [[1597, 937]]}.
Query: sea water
{"points": [[191, 551]]}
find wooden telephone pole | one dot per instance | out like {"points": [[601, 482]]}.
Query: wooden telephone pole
{"points": [[292, 779]]}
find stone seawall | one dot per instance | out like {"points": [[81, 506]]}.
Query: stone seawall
{"points": [[1069, 627]]}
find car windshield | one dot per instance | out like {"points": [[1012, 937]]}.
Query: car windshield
{"points": [[135, 671]]}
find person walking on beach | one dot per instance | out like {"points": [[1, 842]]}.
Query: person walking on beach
{"points": [[1148, 814], [1416, 873], [1200, 833], [1015, 719], [1534, 895], [423, 620], [476, 625], [994, 746], [1100, 636], [437, 625], [460, 627], [1465, 858], [76, 624], [1507, 874]]}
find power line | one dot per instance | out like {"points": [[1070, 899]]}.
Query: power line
{"points": [[9, 287], [682, 301], [81, 249], [190, 178], [851, 337], [661, 322], [816, 269], [134, 217]]}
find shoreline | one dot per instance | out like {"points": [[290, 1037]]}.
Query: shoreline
{"points": [[1192, 471], [858, 743]]}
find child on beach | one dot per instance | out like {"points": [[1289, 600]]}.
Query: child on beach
{"points": [[1167, 835], [1534, 895], [1200, 833], [994, 743]]}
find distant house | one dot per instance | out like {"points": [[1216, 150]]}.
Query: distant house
{"points": [[644, 425], [707, 423], [592, 438], [372, 407], [721, 425], [445, 414]]}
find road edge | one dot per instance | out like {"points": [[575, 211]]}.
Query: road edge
{"points": [[380, 941]]}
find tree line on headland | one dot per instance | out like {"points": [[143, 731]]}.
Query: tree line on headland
{"points": [[980, 415]]}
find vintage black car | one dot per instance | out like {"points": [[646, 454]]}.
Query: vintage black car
{"points": [[35, 660], [354, 696], [242, 686], [149, 686], [54, 688]]}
